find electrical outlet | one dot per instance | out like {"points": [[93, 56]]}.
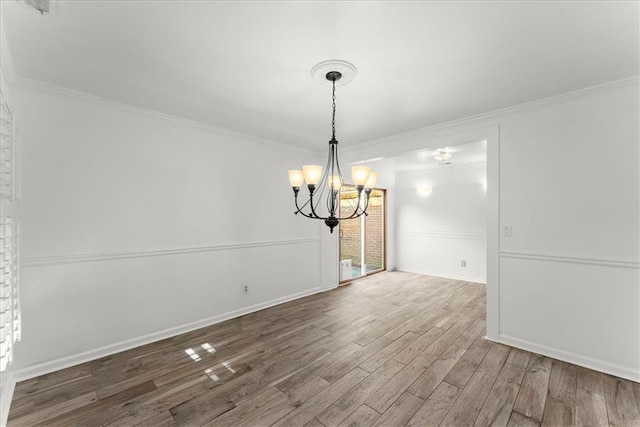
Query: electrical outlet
{"points": [[506, 231], [463, 263], [245, 289]]}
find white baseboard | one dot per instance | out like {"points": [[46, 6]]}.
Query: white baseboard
{"points": [[567, 356], [8, 386], [446, 276], [87, 356]]}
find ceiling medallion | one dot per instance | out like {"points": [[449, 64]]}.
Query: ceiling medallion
{"points": [[346, 69]]}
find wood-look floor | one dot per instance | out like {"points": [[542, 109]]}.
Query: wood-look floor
{"points": [[392, 350]]}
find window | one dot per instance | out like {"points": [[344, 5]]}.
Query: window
{"points": [[9, 236], [362, 240]]}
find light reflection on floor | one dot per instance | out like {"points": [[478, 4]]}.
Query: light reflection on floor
{"points": [[211, 350]]}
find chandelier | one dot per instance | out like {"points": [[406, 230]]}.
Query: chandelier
{"points": [[324, 186]]}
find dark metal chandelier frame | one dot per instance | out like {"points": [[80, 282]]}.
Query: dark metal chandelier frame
{"points": [[331, 180]]}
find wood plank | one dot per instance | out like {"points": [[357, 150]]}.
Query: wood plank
{"points": [[471, 400], [622, 408], [339, 370], [497, 408], [356, 397], [433, 411], [271, 413], [314, 423], [94, 413], [163, 419], [45, 415], [559, 408], [419, 345], [314, 406], [240, 414], [519, 420], [402, 410], [471, 334], [431, 378], [387, 395], [361, 417], [591, 406], [460, 374], [381, 357], [533, 390], [201, 409], [316, 368]]}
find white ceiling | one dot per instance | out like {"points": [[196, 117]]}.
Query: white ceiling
{"points": [[245, 65], [468, 153]]}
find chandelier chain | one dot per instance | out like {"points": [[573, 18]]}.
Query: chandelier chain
{"points": [[333, 117]]}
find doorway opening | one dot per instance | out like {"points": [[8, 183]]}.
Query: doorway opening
{"points": [[362, 241]]}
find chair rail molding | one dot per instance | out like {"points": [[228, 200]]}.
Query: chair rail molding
{"points": [[110, 256], [539, 256], [444, 234]]}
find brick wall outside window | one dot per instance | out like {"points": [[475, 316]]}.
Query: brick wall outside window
{"points": [[350, 243]]}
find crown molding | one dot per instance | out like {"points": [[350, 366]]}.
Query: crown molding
{"points": [[471, 123], [24, 83]]}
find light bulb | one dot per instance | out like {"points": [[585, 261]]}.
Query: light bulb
{"points": [[360, 174], [312, 174], [371, 181], [296, 179], [335, 182]]}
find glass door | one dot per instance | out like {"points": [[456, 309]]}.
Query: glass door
{"points": [[362, 240]]}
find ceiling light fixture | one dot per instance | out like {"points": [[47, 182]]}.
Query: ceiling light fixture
{"points": [[443, 155], [425, 191], [331, 180]]}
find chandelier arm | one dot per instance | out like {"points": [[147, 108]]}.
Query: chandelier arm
{"points": [[313, 209], [366, 203], [362, 211], [299, 209], [355, 210]]}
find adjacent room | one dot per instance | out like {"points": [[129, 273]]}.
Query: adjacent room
{"points": [[321, 213]]}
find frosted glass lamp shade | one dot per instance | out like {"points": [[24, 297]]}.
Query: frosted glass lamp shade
{"points": [[312, 174], [335, 182], [371, 182], [296, 179], [360, 174]]}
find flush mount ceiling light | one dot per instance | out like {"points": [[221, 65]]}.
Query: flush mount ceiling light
{"points": [[442, 156], [330, 181]]}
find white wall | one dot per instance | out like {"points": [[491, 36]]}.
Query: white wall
{"points": [[564, 174], [569, 188], [137, 226], [435, 232]]}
